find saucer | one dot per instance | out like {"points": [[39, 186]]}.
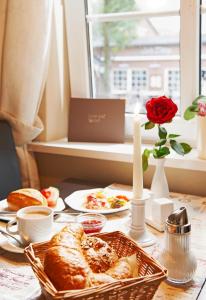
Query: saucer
{"points": [[12, 246]]}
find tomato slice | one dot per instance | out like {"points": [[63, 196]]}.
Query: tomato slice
{"points": [[122, 197], [46, 193]]}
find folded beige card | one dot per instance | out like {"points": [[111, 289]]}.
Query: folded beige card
{"points": [[96, 120]]}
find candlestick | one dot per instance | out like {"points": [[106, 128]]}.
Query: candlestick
{"points": [[137, 230], [137, 160]]}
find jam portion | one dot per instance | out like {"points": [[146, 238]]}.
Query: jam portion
{"points": [[92, 226]]}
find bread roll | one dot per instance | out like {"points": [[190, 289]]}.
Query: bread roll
{"points": [[120, 270], [101, 278], [25, 197], [99, 254]]}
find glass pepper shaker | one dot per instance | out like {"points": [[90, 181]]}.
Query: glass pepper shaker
{"points": [[176, 255]]}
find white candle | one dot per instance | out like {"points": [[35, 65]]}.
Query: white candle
{"points": [[137, 160]]}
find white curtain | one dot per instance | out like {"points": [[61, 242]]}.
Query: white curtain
{"points": [[24, 64]]}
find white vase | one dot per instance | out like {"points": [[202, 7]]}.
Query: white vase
{"points": [[201, 145], [159, 186]]}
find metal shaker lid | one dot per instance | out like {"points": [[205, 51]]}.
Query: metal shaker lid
{"points": [[177, 222]]}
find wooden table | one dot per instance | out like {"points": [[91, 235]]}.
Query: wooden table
{"points": [[196, 206]]}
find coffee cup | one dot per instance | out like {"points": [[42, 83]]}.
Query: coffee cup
{"points": [[34, 224]]}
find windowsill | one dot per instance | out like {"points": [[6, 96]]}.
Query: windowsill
{"points": [[114, 152]]}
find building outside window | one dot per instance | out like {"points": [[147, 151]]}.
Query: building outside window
{"points": [[130, 84], [119, 80], [120, 37], [172, 84]]}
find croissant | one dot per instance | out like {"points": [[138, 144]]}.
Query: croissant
{"points": [[76, 261], [64, 262]]}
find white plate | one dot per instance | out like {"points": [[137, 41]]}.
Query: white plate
{"points": [[76, 200], [4, 207]]}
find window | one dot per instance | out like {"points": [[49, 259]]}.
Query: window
{"points": [[139, 80], [119, 81], [172, 84], [130, 84], [150, 42], [137, 49], [203, 81]]}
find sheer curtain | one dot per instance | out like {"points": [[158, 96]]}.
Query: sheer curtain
{"points": [[24, 54]]}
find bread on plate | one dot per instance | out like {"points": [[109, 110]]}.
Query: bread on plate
{"points": [[25, 197]]}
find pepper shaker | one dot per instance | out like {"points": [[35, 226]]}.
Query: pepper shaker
{"points": [[176, 255]]}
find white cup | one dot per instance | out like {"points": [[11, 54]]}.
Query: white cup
{"points": [[34, 224]]}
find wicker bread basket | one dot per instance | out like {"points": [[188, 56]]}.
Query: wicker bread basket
{"points": [[143, 287]]}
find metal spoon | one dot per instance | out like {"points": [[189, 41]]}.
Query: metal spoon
{"points": [[7, 235]]}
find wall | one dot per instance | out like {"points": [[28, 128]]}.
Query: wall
{"points": [[3, 6], [54, 168]]}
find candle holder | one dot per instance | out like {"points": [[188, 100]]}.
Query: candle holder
{"points": [[138, 231]]}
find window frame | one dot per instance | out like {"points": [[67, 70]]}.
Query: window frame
{"points": [[80, 69]]}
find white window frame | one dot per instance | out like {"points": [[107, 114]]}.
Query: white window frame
{"points": [[189, 53], [203, 69]]}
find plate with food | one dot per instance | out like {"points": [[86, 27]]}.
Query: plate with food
{"points": [[29, 197], [106, 201]]}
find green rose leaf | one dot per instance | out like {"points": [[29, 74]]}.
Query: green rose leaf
{"points": [[162, 132], [195, 102], [177, 147], [161, 142], [149, 125], [160, 153], [187, 148], [145, 157], [172, 136], [190, 112]]}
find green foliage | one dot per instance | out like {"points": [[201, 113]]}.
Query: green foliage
{"points": [[172, 136], [116, 35], [162, 132], [161, 142], [161, 152], [177, 147], [145, 157], [187, 148], [149, 125], [192, 110], [161, 148], [119, 33]]}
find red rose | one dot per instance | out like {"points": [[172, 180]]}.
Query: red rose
{"points": [[160, 110]]}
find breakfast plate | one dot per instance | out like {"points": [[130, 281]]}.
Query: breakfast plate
{"points": [[4, 207], [77, 200]]}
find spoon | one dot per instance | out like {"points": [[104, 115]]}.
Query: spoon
{"points": [[7, 235]]}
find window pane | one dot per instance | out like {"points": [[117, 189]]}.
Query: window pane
{"points": [[136, 59], [111, 6], [203, 52]]}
